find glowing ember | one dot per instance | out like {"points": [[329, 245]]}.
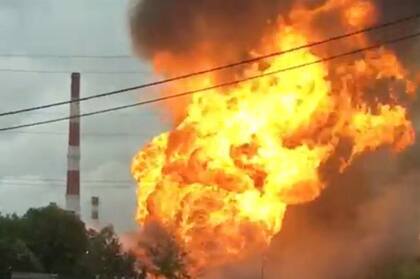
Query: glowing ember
{"points": [[361, 13], [223, 178]]}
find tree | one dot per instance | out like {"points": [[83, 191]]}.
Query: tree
{"points": [[105, 258], [52, 240], [56, 236], [399, 269], [167, 257], [10, 227], [15, 255]]}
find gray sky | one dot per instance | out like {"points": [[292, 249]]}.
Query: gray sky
{"points": [[79, 27]]}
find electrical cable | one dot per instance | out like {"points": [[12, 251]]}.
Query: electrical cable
{"points": [[326, 59], [242, 62]]}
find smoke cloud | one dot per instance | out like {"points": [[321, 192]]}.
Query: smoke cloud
{"points": [[366, 217], [356, 227], [230, 27], [181, 26], [183, 36]]}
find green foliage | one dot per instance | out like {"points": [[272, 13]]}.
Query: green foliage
{"points": [[14, 252], [56, 236], [52, 240], [104, 257], [166, 255], [407, 269], [15, 255], [10, 227]]}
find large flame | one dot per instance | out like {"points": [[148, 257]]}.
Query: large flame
{"points": [[223, 178]]}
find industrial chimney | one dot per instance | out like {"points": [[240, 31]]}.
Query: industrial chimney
{"points": [[94, 209], [73, 156]]}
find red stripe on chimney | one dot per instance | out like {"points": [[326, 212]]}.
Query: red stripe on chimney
{"points": [[73, 183], [74, 136]]}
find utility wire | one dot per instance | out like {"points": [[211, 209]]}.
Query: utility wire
{"points": [[69, 72], [82, 134], [63, 56], [242, 62], [56, 182], [334, 57], [33, 180], [63, 185], [122, 114]]}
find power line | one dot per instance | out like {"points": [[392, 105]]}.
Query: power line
{"points": [[11, 70], [326, 59], [57, 182], [64, 56], [242, 62], [122, 114], [82, 134], [32, 180], [117, 186]]}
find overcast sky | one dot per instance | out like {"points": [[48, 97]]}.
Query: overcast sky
{"points": [[30, 158]]}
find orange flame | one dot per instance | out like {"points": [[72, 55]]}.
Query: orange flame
{"points": [[223, 178], [360, 14]]}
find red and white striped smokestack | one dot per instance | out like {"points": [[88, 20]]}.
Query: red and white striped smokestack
{"points": [[73, 156]]}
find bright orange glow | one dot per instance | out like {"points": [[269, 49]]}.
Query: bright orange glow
{"points": [[223, 177], [361, 13]]}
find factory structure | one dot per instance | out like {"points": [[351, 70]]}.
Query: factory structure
{"points": [[73, 156]]}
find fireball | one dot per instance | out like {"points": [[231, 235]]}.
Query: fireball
{"points": [[223, 178]]}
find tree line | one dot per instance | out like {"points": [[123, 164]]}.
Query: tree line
{"points": [[54, 241], [51, 240]]}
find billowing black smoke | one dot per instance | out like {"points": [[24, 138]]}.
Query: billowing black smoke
{"points": [[179, 26], [364, 218], [391, 9]]}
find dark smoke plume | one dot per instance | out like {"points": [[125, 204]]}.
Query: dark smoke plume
{"points": [[179, 26], [365, 220], [366, 217], [199, 34], [228, 26]]}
